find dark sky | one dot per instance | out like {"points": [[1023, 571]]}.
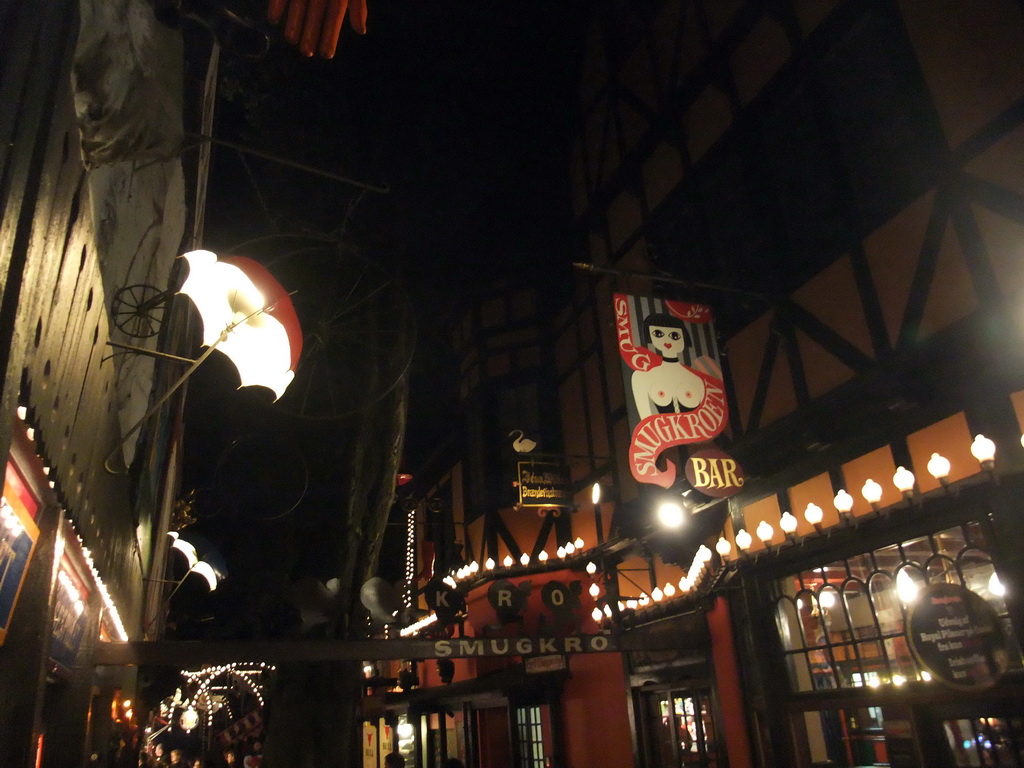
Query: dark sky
{"points": [[464, 109]]}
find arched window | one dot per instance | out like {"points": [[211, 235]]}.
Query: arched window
{"points": [[841, 624]]}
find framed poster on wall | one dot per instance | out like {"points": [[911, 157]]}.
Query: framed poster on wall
{"points": [[18, 536]]}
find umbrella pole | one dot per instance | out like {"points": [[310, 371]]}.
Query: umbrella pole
{"points": [[163, 399]]}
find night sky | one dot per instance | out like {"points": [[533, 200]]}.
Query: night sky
{"points": [[465, 111]]}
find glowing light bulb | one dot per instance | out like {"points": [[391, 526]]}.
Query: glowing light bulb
{"points": [[723, 547], [983, 449], [591, 568], [765, 531], [508, 561], [788, 523], [939, 467], [871, 491], [814, 514], [843, 502], [743, 539], [995, 586], [903, 479], [906, 587], [594, 590], [670, 514]]}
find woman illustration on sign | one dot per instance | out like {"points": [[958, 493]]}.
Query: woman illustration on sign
{"points": [[668, 386]]}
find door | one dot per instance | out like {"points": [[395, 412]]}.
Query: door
{"points": [[680, 729]]}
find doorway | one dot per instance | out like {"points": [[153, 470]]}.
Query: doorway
{"points": [[679, 729]]}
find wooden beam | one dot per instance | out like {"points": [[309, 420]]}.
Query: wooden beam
{"points": [[185, 653]]}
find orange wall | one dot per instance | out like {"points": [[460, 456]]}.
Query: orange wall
{"points": [[597, 726]]}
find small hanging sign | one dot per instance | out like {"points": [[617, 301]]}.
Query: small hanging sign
{"points": [[957, 637], [544, 484]]}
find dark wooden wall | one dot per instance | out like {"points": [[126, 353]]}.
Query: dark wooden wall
{"points": [[53, 333]]}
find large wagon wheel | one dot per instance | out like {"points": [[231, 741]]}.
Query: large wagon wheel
{"points": [[358, 330], [138, 310]]}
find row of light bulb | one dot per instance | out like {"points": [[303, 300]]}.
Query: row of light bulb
{"points": [[72, 591], [569, 549], [245, 671], [416, 626], [939, 467], [9, 519], [697, 571], [108, 602]]}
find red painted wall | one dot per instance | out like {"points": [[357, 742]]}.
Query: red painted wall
{"points": [[594, 713], [493, 728], [727, 679]]}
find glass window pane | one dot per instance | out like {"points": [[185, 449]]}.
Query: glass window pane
{"points": [[950, 542], [942, 568], [842, 624], [788, 623], [917, 550], [659, 720], [882, 589], [900, 659]]}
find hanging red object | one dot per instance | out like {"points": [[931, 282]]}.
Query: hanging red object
{"points": [[315, 25], [247, 315]]}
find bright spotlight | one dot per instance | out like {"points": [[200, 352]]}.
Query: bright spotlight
{"points": [[670, 514]]}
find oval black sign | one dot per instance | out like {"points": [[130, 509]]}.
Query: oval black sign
{"points": [[957, 637], [714, 473]]}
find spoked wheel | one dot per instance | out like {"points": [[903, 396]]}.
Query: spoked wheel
{"points": [[358, 331], [138, 310]]}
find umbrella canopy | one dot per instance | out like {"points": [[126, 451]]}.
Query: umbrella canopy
{"points": [[247, 315]]}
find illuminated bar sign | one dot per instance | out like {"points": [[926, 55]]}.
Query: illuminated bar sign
{"points": [[544, 484], [714, 473]]}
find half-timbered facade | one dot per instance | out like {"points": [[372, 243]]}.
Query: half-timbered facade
{"points": [[840, 183]]}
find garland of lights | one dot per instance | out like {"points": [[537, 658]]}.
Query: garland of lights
{"points": [[108, 601], [248, 672], [410, 556]]}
